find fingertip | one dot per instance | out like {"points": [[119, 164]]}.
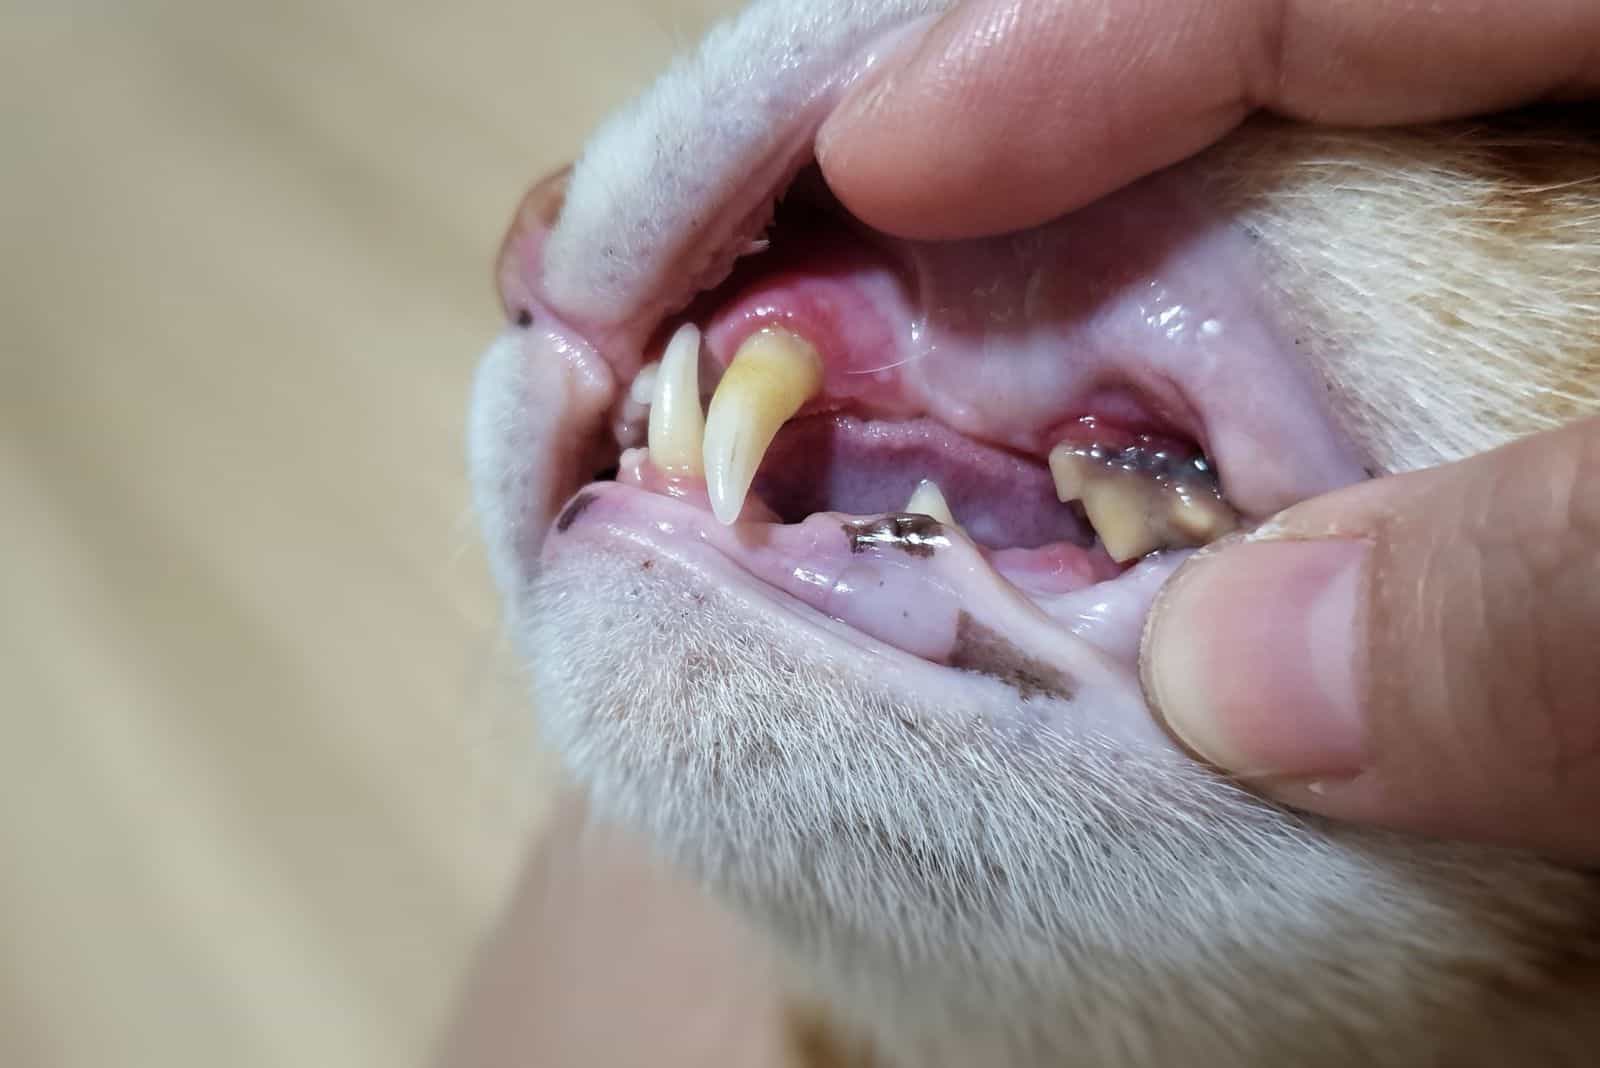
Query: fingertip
{"points": [[1002, 115], [874, 149], [945, 136], [1250, 658]]}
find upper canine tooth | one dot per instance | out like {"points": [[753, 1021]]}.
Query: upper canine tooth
{"points": [[772, 375], [929, 500], [677, 428]]}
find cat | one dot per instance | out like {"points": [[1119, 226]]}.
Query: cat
{"points": [[900, 737]]}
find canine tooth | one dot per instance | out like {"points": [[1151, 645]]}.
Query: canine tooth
{"points": [[929, 500], [1119, 508], [677, 427], [771, 376], [643, 389]]}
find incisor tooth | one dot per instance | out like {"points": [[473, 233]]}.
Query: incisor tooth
{"points": [[643, 389], [929, 500], [677, 428], [771, 376]]}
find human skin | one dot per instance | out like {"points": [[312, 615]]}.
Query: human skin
{"points": [[1006, 113]]}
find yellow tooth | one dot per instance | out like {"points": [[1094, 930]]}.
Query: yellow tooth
{"points": [[1200, 517], [677, 429], [771, 376], [1134, 513], [928, 500], [1072, 471], [1119, 507]]}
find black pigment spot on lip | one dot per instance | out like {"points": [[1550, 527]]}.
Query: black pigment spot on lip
{"points": [[524, 318], [981, 650], [913, 534], [574, 508]]}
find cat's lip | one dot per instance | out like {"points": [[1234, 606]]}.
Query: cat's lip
{"points": [[933, 616]]}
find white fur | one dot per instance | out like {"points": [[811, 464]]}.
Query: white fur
{"points": [[1451, 306], [671, 182], [969, 897]]}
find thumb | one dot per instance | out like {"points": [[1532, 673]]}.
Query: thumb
{"points": [[1420, 652]]}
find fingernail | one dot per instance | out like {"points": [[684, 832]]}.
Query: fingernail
{"points": [[1251, 657]]}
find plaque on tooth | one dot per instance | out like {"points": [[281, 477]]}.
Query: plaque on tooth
{"points": [[1141, 499]]}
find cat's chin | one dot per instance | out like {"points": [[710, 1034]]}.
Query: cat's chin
{"points": [[912, 850]]}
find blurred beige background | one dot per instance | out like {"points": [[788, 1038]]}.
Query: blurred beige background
{"points": [[264, 773]]}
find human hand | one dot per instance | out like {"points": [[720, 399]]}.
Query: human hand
{"points": [[1420, 651], [1417, 652], [1006, 113]]}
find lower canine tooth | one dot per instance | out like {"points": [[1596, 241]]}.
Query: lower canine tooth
{"points": [[677, 429], [928, 500], [772, 375]]}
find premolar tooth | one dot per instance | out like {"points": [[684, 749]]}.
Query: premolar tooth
{"points": [[771, 376], [1072, 471], [929, 500], [677, 428], [1137, 505], [1201, 517], [1119, 508]]}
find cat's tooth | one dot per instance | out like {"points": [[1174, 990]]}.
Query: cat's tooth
{"points": [[1071, 471], [929, 500], [772, 375], [1201, 517], [1119, 508], [1135, 512], [643, 389], [677, 427]]}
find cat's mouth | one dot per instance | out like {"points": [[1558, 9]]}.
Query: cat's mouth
{"points": [[986, 454]]}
